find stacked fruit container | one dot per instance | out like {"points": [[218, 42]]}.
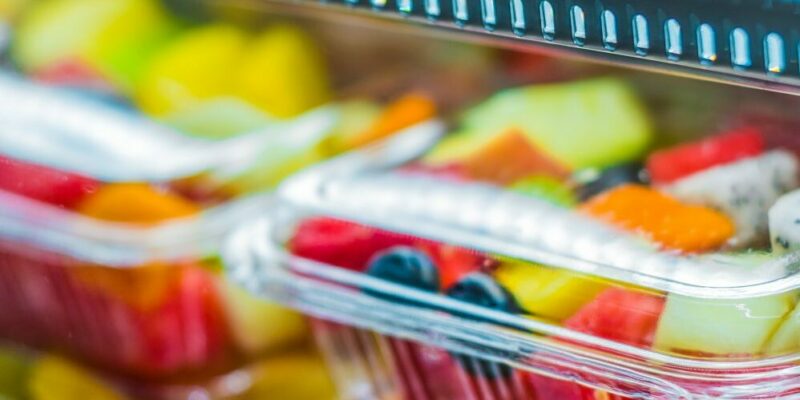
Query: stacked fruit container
{"points": [[238, 201]]}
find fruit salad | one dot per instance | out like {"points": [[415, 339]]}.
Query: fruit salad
{"points": [[162, 316], [92, 261], [146, 138], [552, 211]]}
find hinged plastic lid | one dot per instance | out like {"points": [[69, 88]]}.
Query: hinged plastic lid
{"points": [[494, 220]]}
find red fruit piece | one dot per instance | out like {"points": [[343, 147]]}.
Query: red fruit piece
{"points": [[451, 261], [452, 171], [341, 243], [187, 330], [551, 388], [48, 304], [668, 165], [45, 184], [620, 315], [71, 72], [351, 245]]}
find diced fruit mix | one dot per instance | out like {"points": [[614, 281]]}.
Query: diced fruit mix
{"points": [[159, 318], [730, 192], [206, 79]]}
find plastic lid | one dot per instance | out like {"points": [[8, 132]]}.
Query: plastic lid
{"points": [[484, 217], [72, 133]]}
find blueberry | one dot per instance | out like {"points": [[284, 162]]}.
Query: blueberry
{"points": [[481, 290], [406, 266], [596, 182]]}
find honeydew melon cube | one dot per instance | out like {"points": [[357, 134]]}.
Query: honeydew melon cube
{"points": [[592, 123], [721, 326]]}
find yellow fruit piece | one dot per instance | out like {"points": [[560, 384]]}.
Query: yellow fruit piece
{"points": [[299, 376], [55, 378], [14, 370], [95, 31], [282, 72], [198, 65], [259, 326], [135, 203], [548, 292]]}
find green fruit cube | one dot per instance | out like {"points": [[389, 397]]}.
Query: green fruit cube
{"points": [[721, 326], [593, 123], [548, 292], [787, 338]]}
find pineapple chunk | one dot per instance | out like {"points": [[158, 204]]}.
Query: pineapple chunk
{"points": [[548, 292]]}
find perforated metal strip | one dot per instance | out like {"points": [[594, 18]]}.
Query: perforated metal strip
{"points": [[751, 39]]}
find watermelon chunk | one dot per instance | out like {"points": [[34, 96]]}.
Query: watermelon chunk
{"points": [[551, 388], [668, 165], [341, 243], [45, 184], [620, 315]]}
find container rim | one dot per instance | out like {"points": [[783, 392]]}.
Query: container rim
{"points": [[257, 260], [493, 220], [123, 245]]}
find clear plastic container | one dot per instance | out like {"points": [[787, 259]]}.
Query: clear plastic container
{"points": [[110, 228], [530, 252]]}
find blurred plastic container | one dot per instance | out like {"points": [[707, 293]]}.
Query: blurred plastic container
{"points": [[548, 248], [110, 227]]}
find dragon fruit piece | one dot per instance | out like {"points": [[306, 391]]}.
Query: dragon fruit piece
{"points": [[784, 223], [745, 190]]}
